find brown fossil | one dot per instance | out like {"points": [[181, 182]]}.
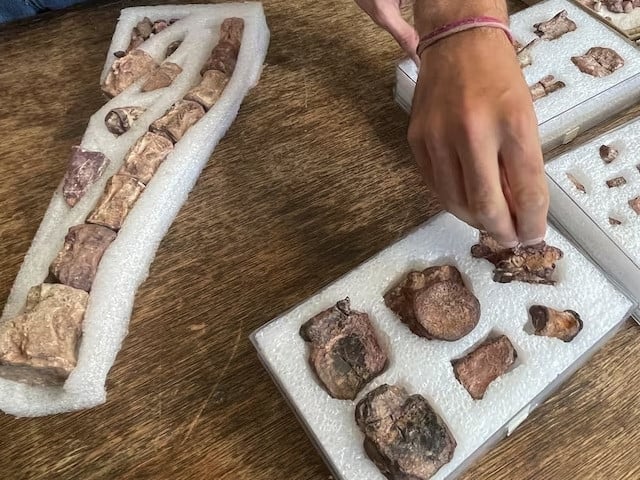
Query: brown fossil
{"points": [[404, 437], [598, 61], [345, 353], [491, 359], [207, 92], [172, 47], [532, 264], [545, 86], [634, 203], [39, 347], [576, 183], [84, 169], [555, 27], [435, 303], [620, 6], [162, 77], [146, 155], [76, 264], [549, 322], [127, 70], [616, 182], [608, 154], [117, 200], [225, 54], [523, 53], [120, 120], [178, 119], [614, 221]]}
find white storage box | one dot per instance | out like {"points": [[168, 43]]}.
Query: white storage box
{"points": [[585, 101], [423, 366]]}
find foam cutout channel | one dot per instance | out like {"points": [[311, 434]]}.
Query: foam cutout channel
{"points": [[423, 366]]}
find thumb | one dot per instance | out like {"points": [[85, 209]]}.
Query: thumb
{"points": [[403, 33]]}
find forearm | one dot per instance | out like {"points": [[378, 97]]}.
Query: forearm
{"points": [[430, 14]]}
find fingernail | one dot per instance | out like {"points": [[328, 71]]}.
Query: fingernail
{"points": [[535, 241]]}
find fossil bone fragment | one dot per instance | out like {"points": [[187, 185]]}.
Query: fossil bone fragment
{"points": [[549, 322], [598, 62], [523, 53], [576, 183], [39, 346], [84, 169], [162, 77], [555, 27], [140, 33], [120, 120], [608, 154], [345, 353], [207, 92], [225, 54], [491, 359], [127, 70], [634, 203], [117, 200], [544, 87], [173, 46], [616, 182], [532, 264], [435, 303], [614, 221], [178, 119], [404, 437], [76, 264], [146, 155]]}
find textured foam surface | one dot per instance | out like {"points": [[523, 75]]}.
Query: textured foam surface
{"points": [[126, 262], [424, 366], [585, 100]]}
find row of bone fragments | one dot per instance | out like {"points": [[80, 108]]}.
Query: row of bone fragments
{"points": [[609, 154], [404, 436], [614, 6], [40, 345], [597, 61]]}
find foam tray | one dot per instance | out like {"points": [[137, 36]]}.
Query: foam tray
{"points": [[616, 248], [586, 100], [424, 366]]}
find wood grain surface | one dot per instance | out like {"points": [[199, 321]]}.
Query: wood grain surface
{"points": [[313, 178]]}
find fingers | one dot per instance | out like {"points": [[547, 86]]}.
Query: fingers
{"points": [[483, 186], [524, 169]]}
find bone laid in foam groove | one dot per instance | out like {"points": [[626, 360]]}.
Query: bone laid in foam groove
{"points": [[125, 263]]}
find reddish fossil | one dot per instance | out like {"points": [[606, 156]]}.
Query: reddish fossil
{"points": [[162, 77], [127, 70], [404, 436], [225, 54], [207, 92], [555, 27], [120, 120], [117, 200], [544, 87], [598, 62], [178, 119], [576, 183], [84, 169], [608, 154], [634, 203], [345, 353], [146, 155], [616, 182], [548, 322]]}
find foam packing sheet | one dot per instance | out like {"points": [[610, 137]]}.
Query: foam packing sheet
{"points": [[423, 366], [615, 246], [126, 262], [586, 100]]}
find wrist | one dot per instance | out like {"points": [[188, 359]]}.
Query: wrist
{"points": [[432, 14]]}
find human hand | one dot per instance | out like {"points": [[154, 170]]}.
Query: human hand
{"points": [[386, 14], [473, 132]]}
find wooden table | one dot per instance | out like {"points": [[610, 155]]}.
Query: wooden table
{"points": [[313, 178]]}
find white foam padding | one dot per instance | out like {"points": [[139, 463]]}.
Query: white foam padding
{"points": [[586, 100], [423, 366], [126, 262]]}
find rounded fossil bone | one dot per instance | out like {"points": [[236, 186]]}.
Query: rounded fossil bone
{"points": [[119, 120], [549, 322]]}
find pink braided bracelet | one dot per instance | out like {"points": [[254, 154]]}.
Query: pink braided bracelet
{"points": [[460, 26]]}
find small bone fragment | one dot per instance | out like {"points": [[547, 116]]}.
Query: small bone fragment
{"points": [[146, 155], [476, 370], [207, 92], [345, 353], [140, 33], [117, 200], [76, 264], [435, 303], [544, 87], [120, 120], [608, 154], [404, 437], [598, 62], [614, 6], [225, 54], [627, 6], [162, 77], [84, 169], [549, 322], [119, 54], [39, 347], [532, 264], [576, 183], [597, 6], [127, 70], [555, 27], [173, 46], [614, 221], [159, 25], [178, 119], [616, 182], [524, 53], [634, 203]]}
